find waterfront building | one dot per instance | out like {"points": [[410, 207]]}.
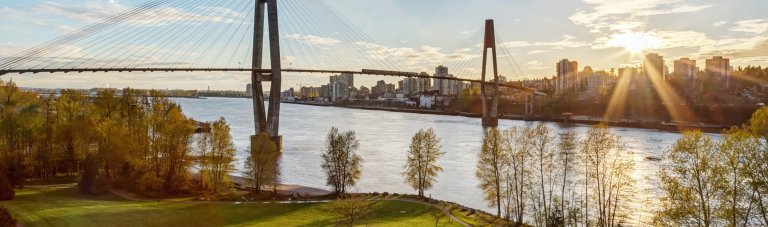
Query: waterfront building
{"points": [[249, 90], [567, 71], [445, 86], [719, 69], [685, 69], [653, 67]]}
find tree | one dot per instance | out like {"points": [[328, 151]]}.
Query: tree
{"points": [[691, 181], [222, 155], [735, 204], [438, 214], [492, 163], [6, 189], [567, 157], [421, 166], [756, 164], [341, 163], [608, 167], [262, 165], [543, 140], [519, 144], [351, 211]]}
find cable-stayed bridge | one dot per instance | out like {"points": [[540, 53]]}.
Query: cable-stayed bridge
{"points": [[243, 36]]}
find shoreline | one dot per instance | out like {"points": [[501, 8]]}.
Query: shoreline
{"points": [[635, 124]]}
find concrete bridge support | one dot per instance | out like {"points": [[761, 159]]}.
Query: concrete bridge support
{"points": [[267, 121], [490, 115]]}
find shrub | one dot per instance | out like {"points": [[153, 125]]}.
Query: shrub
{"points": [[88, 176], [5, 218], [6, 189], [101, 185]]}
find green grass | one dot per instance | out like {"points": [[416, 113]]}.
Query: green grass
{"points": [[67, 207]]}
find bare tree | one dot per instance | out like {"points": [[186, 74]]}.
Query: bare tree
{"points": [[491, 167], [421, 167], [608, 167], [567, 158], [342, 165], [543, 142], [517, 180]]}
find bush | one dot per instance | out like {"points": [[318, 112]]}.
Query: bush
{"points": [[5, 218], [88, 176], [100, 186], [6, 189]]}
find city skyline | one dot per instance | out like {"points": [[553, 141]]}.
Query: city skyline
{"points": [[600, 34]]}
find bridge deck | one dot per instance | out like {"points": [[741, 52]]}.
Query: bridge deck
{"points": [[264, 71]]}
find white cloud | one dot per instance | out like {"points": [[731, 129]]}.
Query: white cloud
{"points": [[314, 40], [535, 65], [622, 14], [567, 41], [718, 24], [537, 51], [754, 26]]}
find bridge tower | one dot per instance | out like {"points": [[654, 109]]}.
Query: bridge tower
{"points": [[269, 121], [490, 115]]}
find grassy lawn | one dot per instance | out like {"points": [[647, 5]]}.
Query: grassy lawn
{"points": [[67, 207]]}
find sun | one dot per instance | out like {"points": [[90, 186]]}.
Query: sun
{"points": [[634, 42]]}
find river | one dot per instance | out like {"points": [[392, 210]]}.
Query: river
{"points": [[384, 139]]}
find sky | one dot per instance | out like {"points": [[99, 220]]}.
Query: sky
{"points": [[419, 35]]}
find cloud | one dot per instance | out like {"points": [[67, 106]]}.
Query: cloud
{"points": [[754, 26], [537, 51], [536, 65], [627, 14], [718, 24], [416, 59], [94, 11], [314, 40], [568, 41]]}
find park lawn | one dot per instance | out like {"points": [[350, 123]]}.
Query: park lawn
{"points": [[67, 207]]}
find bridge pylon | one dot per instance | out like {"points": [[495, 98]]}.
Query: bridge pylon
{"points": [[266, 121], [490, 113]]}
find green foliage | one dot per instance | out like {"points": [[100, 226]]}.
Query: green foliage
{"points": [[341, 163], [711, 183], [421, 166], [125, 137], [218, 160], [691, 181]]}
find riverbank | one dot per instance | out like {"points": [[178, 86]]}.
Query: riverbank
{"points": [[580, 120], [44, 207]]}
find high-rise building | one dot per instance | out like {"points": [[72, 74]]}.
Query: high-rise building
{"points": [[445, 86], [249, 90], [348, 78], [653, 67], [567, 71], [686, 69], [719, 69]]}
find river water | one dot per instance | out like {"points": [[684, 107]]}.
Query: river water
{"points": [[384, 139]]}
